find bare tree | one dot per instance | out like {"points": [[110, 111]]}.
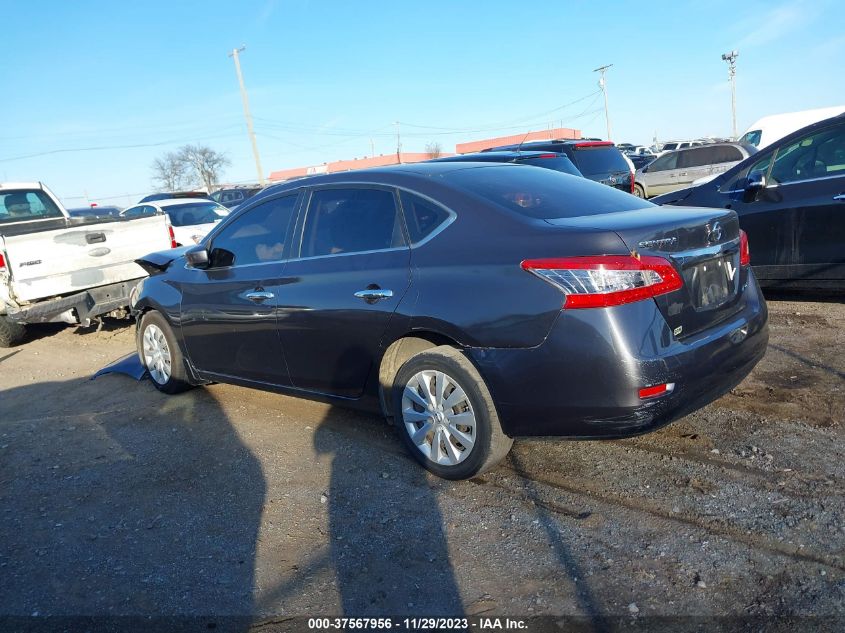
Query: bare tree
{"points": [[433, 149], [169, 172], [189, 166], [205, 163]]}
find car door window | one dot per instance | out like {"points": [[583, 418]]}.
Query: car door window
{"points": [[816, 156], [664, 163], [354, 220], [256, 237]]}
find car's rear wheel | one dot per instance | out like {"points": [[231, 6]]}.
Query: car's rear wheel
{"points": [[639, 191], [11, 333], [160, 354], [446, 415]]}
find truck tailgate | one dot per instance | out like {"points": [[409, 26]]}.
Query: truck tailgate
{"points": [[62, 261]]}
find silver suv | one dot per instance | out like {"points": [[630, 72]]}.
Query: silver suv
{"points": [[676, 170]]}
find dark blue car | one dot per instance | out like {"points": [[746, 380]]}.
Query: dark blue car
{"points": [[471, 303]]}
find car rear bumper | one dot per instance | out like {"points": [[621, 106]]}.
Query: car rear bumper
{"points": [[583, 381]]}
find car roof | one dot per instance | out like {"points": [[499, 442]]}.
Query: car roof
{"points": [[169, 202], [486, 156]]}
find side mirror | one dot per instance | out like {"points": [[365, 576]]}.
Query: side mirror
{"points": [[754, 184], [197, 257]]}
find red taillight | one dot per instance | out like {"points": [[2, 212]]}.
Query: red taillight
{"points": [[656, 390], [632, 182], [173, 243], [2, 262], [547, 156], [744, 251], [593, 144], [606, 280]]}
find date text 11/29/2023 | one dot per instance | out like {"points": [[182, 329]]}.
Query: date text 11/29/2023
{"points": [[417, 624]]}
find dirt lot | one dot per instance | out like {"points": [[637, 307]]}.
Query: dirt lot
{"points": [[115, 499]]}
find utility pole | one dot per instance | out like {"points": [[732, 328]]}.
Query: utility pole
{"points": [[731, 59], [398, 143], [235, 52], [603, 86]]}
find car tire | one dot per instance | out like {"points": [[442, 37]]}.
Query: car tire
{"points": [[11, 333], [639, 191], [464, 437], [160, 354]]}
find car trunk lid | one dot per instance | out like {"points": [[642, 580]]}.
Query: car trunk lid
{"points": [[702, 244]]}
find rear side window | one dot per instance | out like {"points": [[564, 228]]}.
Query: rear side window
{"points": [[726, 154], [543, 193], [421, 216], [342, 221], [255, 237], [752, 138], [24, 205], [598, 160]]}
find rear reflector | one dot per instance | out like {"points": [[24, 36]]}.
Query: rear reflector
{"points": [[656, 390], [173, 243], [593, 144], [606, 280], [744, 251], [547, 156]]}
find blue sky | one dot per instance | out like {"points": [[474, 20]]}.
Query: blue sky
{"points": [[327, 80]]}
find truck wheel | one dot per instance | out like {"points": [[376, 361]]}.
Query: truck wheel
{"points": [[11, 333], [446, 415], [160, 354]]}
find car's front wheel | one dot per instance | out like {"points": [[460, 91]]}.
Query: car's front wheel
{"points": [[160, 354], [446, 415]]}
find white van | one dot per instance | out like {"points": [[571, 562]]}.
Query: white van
{"points": [[774, 127]]}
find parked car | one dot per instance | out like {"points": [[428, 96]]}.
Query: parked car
{"points": [[641, 150], [790, 198], [191, 218], [597, 160], [231, 197], [58, 268], [774, 127], [671, 146], [94, 211], [174, 194], [679, 169], [548, 160], [469, 302], [639, 161]]}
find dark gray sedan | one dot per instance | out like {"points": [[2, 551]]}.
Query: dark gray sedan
{"points": [[470, 303]]}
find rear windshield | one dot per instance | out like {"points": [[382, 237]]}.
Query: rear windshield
{"points": [[21, 205], [561, 163], [196, 213], [598, 160], [542, 193]]}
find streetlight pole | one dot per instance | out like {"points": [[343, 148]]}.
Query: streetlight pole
{"points": [[603, 86], [398, 143], [730, 58], [235, 54]]}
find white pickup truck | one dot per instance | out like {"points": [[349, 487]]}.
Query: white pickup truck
{"points": [[55, 268]]}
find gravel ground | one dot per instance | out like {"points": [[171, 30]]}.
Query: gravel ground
{"points": [[118, 500]]}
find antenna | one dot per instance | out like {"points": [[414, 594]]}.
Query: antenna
{"points": [[519, 147]]}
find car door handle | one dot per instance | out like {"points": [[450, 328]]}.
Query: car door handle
{"points": [[95, 238], [371, 295], [840, 197], [259, 297]]}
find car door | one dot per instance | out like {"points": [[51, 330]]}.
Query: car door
{"points": [[660, 175], [341, 292], [796, 224], [229, 308], [693, 164]]}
